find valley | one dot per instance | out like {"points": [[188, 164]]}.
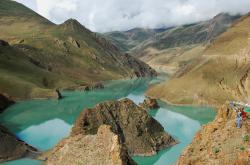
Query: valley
{"points": [[159, 94]]}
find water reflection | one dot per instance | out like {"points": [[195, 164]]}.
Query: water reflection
{"points": [[181, 126], [44, 136]]}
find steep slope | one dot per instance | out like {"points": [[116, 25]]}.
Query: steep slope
{"points": [[55, 56], [220, 142], [170, 49], [220, 74]]}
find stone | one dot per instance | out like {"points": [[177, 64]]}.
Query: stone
{"points": [[141, 133]]}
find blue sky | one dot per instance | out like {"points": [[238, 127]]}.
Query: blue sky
{"points": [[110, 15]]}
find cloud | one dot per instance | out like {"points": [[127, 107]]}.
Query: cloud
{"points": [[109, 15]]}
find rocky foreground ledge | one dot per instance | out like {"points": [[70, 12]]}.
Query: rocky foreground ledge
{"points": [[110, 133], [102, 148], [219, 142]]}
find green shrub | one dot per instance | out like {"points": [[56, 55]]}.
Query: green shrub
{"points": [[246, 138], [242, 148], [216, 150]]}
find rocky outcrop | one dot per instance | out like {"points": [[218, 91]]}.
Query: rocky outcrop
{"points": [[12, 148], [141, 133], [5, 101], [149, 103], [220, 142], [102, 148]]}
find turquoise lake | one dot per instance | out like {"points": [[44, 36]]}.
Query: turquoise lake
{"points": [[43, 123]]}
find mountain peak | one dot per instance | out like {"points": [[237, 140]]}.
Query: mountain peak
{"points": [[73, 25]]}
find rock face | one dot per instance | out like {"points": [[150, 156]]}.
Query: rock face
{"points": [[12, 148], [219, 142], [103, 148], [141, 133], [5, 101], [149, 103]]}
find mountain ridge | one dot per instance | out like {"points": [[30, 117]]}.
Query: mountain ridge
{"points": [[56, 56]]}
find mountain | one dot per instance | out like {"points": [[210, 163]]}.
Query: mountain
{"points": [[170, 49], [41, 56], [220, 73], [128, 40]]}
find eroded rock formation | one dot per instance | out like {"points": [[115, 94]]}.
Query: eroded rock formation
{"points": [[219, 142], [141, 133], [103, 148]]}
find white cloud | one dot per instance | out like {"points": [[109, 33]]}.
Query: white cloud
{"points": [[107, 15]]}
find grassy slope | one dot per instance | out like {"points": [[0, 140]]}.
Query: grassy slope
{"points": [[45, 56], [220, 74]]}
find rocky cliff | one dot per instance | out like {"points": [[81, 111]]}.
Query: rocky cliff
{"points": [[101, 148], [13, 148], [141, 133], [220, 142]]}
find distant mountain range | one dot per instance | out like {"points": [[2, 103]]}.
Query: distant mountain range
{"points": [[159, 47], [41, 56], [208, 60], [217, 74]]}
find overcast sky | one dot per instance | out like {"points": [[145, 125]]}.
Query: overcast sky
{"points": [[110, 15]]}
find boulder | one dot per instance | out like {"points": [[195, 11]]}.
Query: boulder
{"points": [[5, 101], [12, 148], [141, 133], [102, 148], [149, 103]]}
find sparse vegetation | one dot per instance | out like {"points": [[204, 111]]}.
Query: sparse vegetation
{"points": [[246, 138], [216, 150]]}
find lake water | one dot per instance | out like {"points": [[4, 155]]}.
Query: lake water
{"points": [[42, 123]]}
